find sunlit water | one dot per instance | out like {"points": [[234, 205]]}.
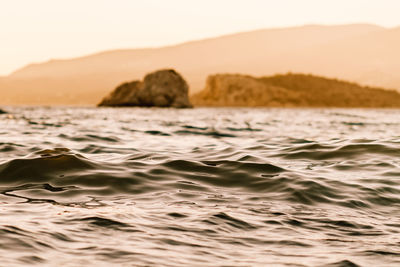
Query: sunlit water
{"points": [[199, 187]]}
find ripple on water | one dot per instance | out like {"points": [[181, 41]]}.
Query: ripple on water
{"points": [[206, 187]]}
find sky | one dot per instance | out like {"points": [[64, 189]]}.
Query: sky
{"points": [[34, 31]]}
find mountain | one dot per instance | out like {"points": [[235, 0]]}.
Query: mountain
{"points": [[291, 90], [362, 53]]}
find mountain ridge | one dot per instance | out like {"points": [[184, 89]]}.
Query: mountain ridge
{"points": [[305, 49], [194, 42]]}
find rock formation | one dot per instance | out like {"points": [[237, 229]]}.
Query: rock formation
{"points": [[290, 90], [2, 111], [238, 90], [163, 88]]}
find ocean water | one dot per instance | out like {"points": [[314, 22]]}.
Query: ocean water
{"points": [[199, 187]]}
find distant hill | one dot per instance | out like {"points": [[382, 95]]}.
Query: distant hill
{"points": [[366, 54], [290, 90]]}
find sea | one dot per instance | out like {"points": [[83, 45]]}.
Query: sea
{"points": [[86, 186]]}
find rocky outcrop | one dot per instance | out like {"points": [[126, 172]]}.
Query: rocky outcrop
{"points": [[290, 90], [2, 111], [239, 90], [163, 88]]}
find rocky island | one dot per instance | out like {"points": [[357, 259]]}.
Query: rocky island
{"points": [[163, 88], [290, 90]]}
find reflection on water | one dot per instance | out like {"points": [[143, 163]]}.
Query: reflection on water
{"points": [[203, 187]]}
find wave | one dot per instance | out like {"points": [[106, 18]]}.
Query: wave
{"points": [[316, 151], [61, 174]]}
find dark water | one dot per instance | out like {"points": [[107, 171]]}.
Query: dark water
{"points": [[199, 187]]}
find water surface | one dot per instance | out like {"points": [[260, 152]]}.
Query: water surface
{"points": [[199, 187]]}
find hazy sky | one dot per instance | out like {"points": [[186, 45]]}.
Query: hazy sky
{"points": [[38, 30]]}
